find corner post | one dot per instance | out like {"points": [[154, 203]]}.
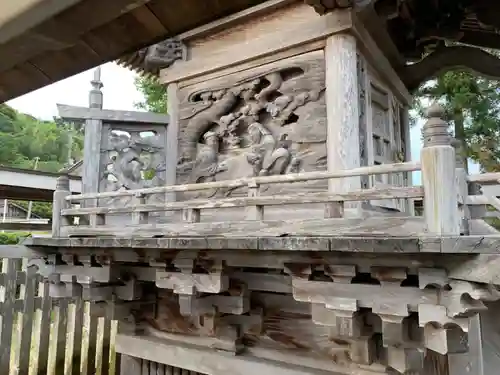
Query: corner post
{"points": [[342, 106], [439, 176], [59, 203], [172, 135], [92, 142]]}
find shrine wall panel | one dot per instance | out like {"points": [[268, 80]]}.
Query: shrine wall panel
{"points": [[269, 120], [240, 42], [255, 27], [132, 156], [386, 132]]}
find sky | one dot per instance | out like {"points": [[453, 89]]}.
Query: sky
{"points": [[120, 93]]}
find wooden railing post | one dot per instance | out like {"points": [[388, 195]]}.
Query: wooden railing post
{"points": [[140, 217], [59, 203], [254, 212], [438, 176], [92, 143]]}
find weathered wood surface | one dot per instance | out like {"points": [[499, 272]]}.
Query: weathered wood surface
{"points": [[482, 269], [19, 251], [78, 39], [34, 331], [26, 226], [343, 152], [288, 178], [301, 198], [438, 171], [211, 362], [83, 113], [490, 339], [381, 226], [465, 245], [484, 177], [378, 59], [92, 144], [264, 37], [172, 133]]}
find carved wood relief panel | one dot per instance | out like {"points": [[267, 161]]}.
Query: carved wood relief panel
{"points": [[132, 157], [264, 121]]}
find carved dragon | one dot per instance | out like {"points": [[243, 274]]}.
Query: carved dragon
{"points": [[218, 103], [162, 55]]}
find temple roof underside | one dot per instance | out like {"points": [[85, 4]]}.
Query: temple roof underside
{"points": [[406, 30]]}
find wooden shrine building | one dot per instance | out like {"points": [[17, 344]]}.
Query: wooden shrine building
{"points": [[266, 224]]}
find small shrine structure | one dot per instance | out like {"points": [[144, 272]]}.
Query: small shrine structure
{"points": [[266, 224]]}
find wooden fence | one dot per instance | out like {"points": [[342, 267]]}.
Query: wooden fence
{"points": [[41, 335]]}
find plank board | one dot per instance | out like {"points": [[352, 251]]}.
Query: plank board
{"points": [[374, 226]]}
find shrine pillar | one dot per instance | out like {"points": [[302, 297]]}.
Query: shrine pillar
{"points": [[342, 109]]}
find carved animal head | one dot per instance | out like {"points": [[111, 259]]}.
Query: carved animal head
{"points": [[170, 48]]}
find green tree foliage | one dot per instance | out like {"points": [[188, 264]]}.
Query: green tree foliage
{"points": [[24, 138], [155, 95], [473, 107], [12, 238]]}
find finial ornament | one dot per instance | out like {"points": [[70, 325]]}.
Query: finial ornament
{"points": [[96, 82], [95, 95], [435, 130]]}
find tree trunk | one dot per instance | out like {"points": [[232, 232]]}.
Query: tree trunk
{"points": [[458, 120]]}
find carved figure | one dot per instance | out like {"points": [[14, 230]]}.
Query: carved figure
{"points": [[256, 123], [229, 128], [218, 104], [279, 160], [162, 55], [206, 165], [262, 141], [130, 158]]}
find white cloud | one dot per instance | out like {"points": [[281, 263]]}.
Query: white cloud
{"points": [[119, 93]]}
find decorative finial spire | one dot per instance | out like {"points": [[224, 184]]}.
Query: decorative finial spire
{"points": [[435, 130], [95, 95], [97, 74]]}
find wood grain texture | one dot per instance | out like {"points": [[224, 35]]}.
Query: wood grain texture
{"points": [[295, 177], [172, 136], [296, 199], [210, 361], [376, 57], [342, 107], [83, 113], [219, 53], [380, 226]]}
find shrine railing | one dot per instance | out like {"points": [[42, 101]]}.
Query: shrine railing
{"points": [[484, 192], [254, 204], [447, 203]]}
